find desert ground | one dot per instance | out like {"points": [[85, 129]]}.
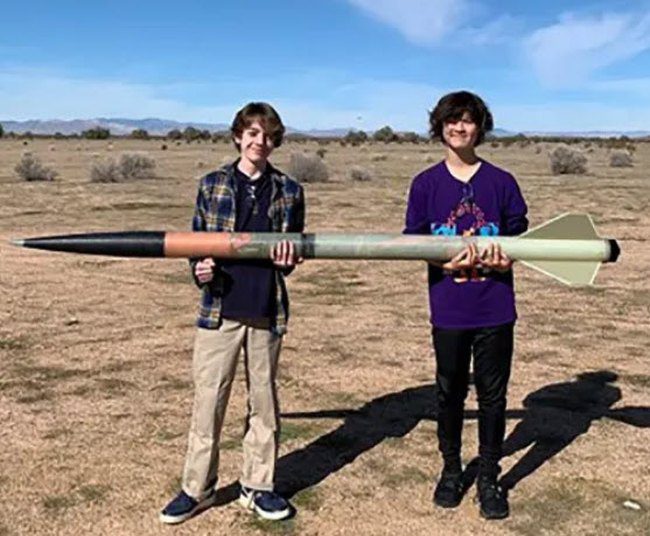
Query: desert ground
{"points": [[95, 354]]}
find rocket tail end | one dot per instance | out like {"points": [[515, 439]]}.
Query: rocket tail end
{"points": [[614, 250]]}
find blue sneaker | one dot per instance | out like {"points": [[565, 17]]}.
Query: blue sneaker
{"points": [[266, 504], [183, 507]]}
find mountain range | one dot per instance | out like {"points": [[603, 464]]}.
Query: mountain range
{"points": [[156, 126]]}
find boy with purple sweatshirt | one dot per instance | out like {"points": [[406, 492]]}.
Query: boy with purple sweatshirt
{"points": [[471, 296]]}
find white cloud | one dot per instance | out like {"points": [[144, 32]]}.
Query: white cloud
{"points": [[567, 53], [423, 22], [363, 103], [40, 93]]}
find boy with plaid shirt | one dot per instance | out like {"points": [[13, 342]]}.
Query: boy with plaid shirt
{"points": [[244, 304]]}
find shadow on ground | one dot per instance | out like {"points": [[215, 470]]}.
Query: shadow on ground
{"points": [[552, 418]]}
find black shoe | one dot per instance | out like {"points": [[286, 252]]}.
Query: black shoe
{"points": [[266, 504], [492, 499], [183, 507], [449, 490]]}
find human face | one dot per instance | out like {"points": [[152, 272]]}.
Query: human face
{"points": [[255, 145], [461, 134]]}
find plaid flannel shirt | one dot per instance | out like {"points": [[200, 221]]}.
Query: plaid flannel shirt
{"points": [[215, 211]]}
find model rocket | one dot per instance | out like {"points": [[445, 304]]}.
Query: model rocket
{"points": [[567, 248]]}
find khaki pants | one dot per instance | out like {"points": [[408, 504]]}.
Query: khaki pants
{"points": [[216, 352]]}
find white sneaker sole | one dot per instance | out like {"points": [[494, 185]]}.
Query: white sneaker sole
{"points": [[248, 503]]}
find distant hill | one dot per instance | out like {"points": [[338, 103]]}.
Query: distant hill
{"points": [[156, 126], [117, 126]]}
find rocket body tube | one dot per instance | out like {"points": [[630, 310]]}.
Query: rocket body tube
{"points": [[320, 246]]}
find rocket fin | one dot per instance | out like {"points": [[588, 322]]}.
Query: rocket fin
{"points": [[570, 227], [568, 272]]}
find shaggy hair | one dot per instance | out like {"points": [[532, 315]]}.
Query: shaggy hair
{"points": [[451, 108]]}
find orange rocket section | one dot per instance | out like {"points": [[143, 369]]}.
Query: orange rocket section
{"points": [[205, 244]]}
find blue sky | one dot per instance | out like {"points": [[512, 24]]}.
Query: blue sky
{"points": [[549, 66]]}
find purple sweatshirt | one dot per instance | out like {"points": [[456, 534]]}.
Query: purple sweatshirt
{"points": [[489, 204]]}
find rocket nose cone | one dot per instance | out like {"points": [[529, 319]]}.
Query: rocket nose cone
{"points": [[17, 242]]}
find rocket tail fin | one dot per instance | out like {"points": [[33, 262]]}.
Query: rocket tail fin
{"points": [[571, 227]]}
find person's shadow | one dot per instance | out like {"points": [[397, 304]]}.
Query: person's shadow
{"points": [[553, 417], [391, 415], [557, 414]]}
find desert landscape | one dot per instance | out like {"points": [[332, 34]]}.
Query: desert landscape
{"points": [[95, 355]]}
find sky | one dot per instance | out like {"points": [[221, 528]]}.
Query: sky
{"points": [[541, 66]]}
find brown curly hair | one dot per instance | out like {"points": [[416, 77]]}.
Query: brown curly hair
{"points": [[452, 106]]}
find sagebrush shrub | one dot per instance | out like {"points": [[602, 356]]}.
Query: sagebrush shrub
{"points": [[359, 173], [136, 166], [307, 167], [620, 159], [564, 160], [129, 167], [30, 168], [105, 171]]}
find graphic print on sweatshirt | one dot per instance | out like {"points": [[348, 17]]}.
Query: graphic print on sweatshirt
{"points": [[467, 210]]}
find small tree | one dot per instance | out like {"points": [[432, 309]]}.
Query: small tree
{"points": [[385, 134], [191, 134], [97, 133], [140, 134], [2, 131], [410, 137], [355, 137], [175, 134]]}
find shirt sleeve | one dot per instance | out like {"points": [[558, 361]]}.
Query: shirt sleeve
{"points": [[297, 224], [198, 224], [417, 219], [515, 210]]}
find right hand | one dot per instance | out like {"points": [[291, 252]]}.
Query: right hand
{"points": [[204, 270], [465, 260]]}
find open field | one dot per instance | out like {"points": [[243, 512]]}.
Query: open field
{"points": [[95, 386]]}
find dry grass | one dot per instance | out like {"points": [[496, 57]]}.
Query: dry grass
{"points": [[95, 358]]}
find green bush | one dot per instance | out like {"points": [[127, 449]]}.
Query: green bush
{"points": [[140, 134], [385, 134], [97, 133]]}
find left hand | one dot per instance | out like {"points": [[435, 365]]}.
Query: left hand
{"points": [[494, 258], [283, 254]]}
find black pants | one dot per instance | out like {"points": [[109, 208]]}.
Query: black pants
{"points": [[492, 349]]}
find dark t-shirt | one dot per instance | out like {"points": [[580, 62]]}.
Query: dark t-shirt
{"points": [[249, 285], [489, 204]]}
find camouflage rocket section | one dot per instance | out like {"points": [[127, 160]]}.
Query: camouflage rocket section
{"points": [[566, 248]]}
